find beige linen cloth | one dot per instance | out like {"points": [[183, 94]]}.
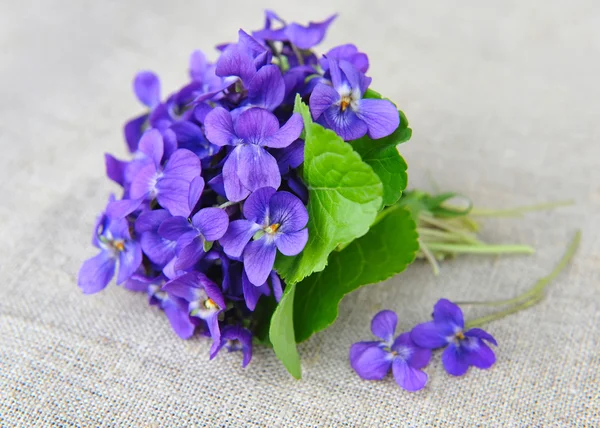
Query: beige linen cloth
{"points": [[503, 98]]}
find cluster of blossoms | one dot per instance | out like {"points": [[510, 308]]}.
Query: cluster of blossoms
{"points": [[410, 352], [213, 190]]}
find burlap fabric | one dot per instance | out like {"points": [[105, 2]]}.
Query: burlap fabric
{"points": [[504, 102]]}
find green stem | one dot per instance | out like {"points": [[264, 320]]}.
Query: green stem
{"points": [[534, 294], [445, 226], [510, 212], [441, 234], [480, 248], [539, 287], [429, 257]]}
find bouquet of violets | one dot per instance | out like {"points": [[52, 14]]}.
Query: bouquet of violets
{"points": [[264, 190]]}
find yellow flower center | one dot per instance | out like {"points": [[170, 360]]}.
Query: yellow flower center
{"points": [[272, 229], [210, 304], [119, 245], [345, 103], [460, 335]]}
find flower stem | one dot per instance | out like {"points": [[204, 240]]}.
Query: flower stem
{"points": [[429, 257], [480, 248], [531, 296], [447, 227], [510, 212]]}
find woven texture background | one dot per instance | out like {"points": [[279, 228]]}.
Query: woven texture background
{"points": [[504, 101]]}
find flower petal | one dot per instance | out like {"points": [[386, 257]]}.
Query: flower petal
{"points": [[481, 334], [144, 182], [219, 127], [256, 167], [290, 244], [417, 356], [322, 98], [173, 227], [478, 354], [255, 125], [251, 292], [288, 211], [259, 257], [159, 250], [235, 61], [356, 79], [150, 221], [124, 207], [212, 223], [381, 116], [115, 169], [96, 273], [454, 361], [146, 86], [172, 194], [234, 189], [345, 123], [183, 165], [428, 335], [446, 313], [237, 236], [384, 325], [256, 207], [267, 88], [179, 318], [190, 254], [409, 378], [307, 37], [288, 133], [276, 284], [184, 286], [369, 360], [129, 260], [152, 145], [133, 131]]}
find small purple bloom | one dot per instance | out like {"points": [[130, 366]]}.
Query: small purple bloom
{"points": [[343, 109], [249, 166], [114, 240], [347, 52], [464, 348], [235, 338], [304, 37], [146, 87], [207, 225], [205, 299], [373, 360], [274, 221], [169, 185], [175, 308], [243, 59]]}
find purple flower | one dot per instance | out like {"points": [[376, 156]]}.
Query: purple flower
{"points": [[235, 338], [252, 292], [205, 299], [175, 308], [304, 37], [243, 59], [158, 249], [146, 87], [274, 221], [114, 240], [464, 348], [249, 166], [343, 109], [373, 360], [193, 238], [347, 52], [169, 185]]}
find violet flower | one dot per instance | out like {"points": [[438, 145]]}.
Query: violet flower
{"points": [[235, 338], [304, 37], [193, 238], [464, 348], [169, 185], [347, 52], [343, 108], [249, 166], [205, 299], [274, 221], [158, 249], [373, 360], [146, 87], [114, 240], [243, 59]]}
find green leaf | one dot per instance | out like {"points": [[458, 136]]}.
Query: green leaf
{"points": [[345, 195], [281, 333], [388, 248], [384, 158]]}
